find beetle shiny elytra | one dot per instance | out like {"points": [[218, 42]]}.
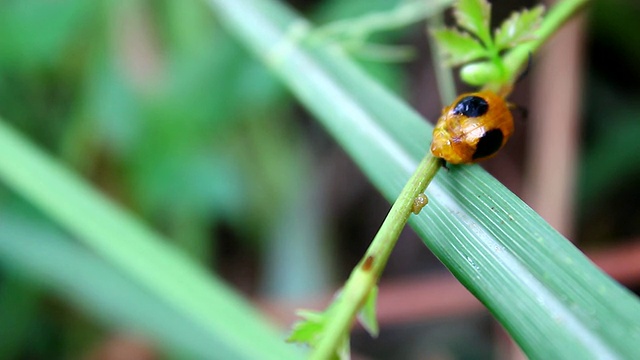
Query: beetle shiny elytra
{"points": [[473, 128]]}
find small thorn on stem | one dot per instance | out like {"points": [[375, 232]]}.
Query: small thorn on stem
{"points": [[368, 263]]}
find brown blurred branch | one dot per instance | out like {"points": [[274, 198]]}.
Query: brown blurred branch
{"points": [[425, 298]]}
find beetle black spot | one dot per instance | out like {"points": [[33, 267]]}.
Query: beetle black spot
{"points": [[488, 144], [471, 106]]}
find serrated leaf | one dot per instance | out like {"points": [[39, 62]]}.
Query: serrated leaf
{"points": [[518, 28], [458, 47], [367, 315], [309, 329], [474, 16]]}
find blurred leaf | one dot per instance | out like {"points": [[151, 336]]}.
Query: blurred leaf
{"points": [[610, 127], [518, 28], [208, 182], [329, 11], [19, 306], [110, 103], [104, 292], [35, 33], [381, 53], [364, 27], [166, 274], [613, 24], [369, 22], [609, 158], [297, 233], [186, 26], [474, 16]]}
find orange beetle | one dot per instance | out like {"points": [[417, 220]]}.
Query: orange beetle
{"points": [[473, 128]]}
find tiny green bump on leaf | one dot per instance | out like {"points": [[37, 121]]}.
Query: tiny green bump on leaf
{"points": [[518, 28], [367, 315], [458, 47], [474, 16]]}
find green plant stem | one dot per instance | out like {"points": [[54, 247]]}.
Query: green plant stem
{"points": [[364, 276]]}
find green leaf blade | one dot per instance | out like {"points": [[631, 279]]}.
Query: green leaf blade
{"points": [[556, 279]]}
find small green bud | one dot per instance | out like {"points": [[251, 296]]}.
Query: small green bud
{"points": [[480, 73]]}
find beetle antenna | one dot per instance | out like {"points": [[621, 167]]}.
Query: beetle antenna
{"points": [[526, 69], [522, 110]]}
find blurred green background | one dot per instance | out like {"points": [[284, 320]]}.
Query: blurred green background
{"points": [[157, 107]]}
